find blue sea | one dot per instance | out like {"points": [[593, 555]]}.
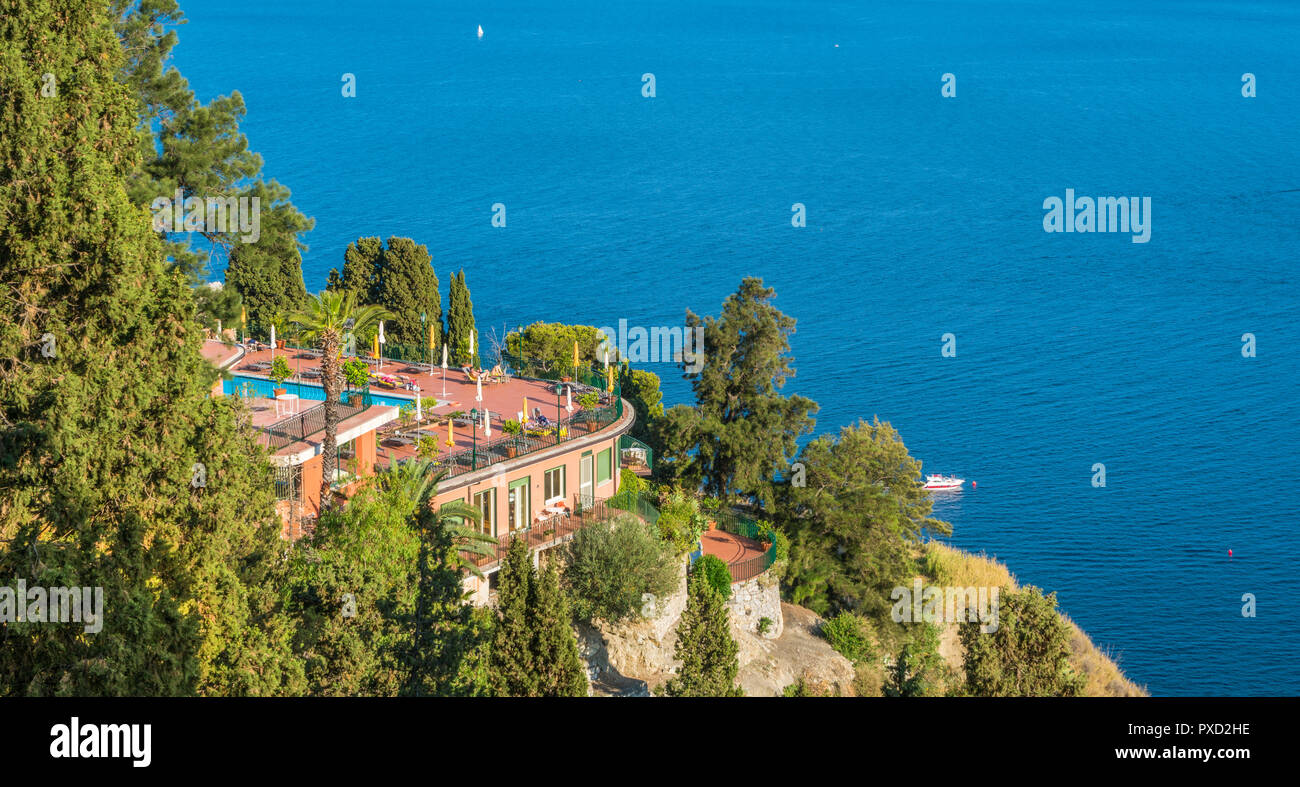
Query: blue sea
{"points": [[924, 217]]}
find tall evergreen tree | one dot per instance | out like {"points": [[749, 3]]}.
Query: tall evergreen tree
{"points": [[199, 150], [511, 667], [460, 323], [743, 429], [555, 649], [361, 263], [408, 287], [119, 470], [444, 633], [268, 272], [705, 646]]}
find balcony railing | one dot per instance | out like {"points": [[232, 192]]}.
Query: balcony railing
{"points": [[299, 427], [586, 510], [502, 449], [635, 454], [743, 526]]}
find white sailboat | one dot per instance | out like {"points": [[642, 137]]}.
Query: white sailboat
{"points": [[480, 31]]}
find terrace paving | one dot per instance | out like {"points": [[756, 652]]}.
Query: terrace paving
{"points": [[730, 548], [503, 400]]}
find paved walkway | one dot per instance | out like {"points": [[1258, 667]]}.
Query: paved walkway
{"points": [[730, 548]]}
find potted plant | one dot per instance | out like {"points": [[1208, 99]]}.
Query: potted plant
{"points": [[589, 402], [512, 428], [280, 372], [357, 375], [428, 447]]}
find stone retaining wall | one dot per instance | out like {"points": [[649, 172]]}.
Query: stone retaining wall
{"points": [[755, 599]]}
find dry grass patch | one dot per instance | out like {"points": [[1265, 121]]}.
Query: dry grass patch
{"points": [[946, 565]]}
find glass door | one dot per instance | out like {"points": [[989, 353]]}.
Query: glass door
{"points": [[486, 501], [585, 473], [517, 505]]}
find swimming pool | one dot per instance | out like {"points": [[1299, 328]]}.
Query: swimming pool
{"points": [[306, 391]]}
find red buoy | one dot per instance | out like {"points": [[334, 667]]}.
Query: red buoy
{"points": [[972, 484], [1229, 553]]}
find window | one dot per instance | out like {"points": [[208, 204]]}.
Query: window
{"points": [[518, 512], [486, 501], [604, 466], [553, 484]]}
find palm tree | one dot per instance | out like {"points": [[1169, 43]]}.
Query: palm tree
{"points": [[417, 485], [325, 321]]}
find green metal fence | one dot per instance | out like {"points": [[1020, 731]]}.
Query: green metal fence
{"points": [[635, 453], [488, 453], [746, 527]]}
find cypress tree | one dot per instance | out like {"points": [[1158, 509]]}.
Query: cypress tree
{"points": [[445, 635], [704, 646], [555, 649], [408, 287], [460, 323], [361, 263], [119, 470], [511, 668]]}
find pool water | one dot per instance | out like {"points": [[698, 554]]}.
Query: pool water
{"points": [[306, 391]]}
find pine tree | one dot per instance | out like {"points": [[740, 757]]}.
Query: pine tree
{"points": [[705, 646], [743, 429], [199, 150], [119, 470], [511, 667], [555, 649], [408, 287], [268, 273], [460, 323]]}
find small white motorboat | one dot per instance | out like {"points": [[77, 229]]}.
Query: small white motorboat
{"points": [[943, 482]]}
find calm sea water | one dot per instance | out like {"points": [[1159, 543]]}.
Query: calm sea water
{"points": [[924, 218]]}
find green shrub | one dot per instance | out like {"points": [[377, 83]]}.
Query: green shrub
{"points": [[428, 447], [356, 372], [765, 625], [630, 486], [609, 565], [846, 633], [716, 572], [680, 521], [280, 370]]}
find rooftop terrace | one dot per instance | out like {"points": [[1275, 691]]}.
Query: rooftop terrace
{"points": [[552, 417]]}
